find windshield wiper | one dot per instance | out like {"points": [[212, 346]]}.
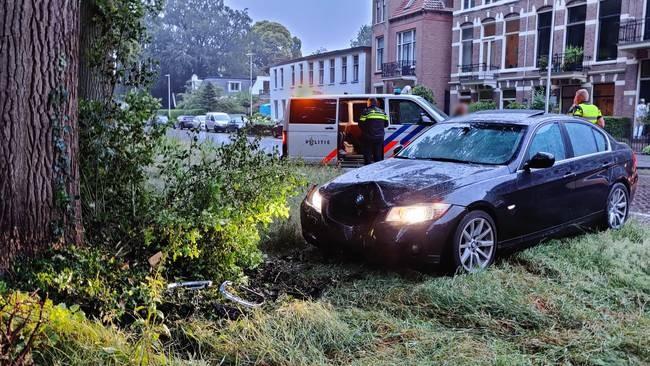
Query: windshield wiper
{"points": [[450, 160]]}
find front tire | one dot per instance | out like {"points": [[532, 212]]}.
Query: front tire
{"points": [[475, 242], [618, 206]]}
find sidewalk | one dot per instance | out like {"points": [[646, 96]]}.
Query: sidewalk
{"points": [[643, 161], [641, 205]]}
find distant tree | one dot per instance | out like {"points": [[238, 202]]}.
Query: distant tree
{"points": [[363, 38], [272, 42], [424, 92], [319, 51]]}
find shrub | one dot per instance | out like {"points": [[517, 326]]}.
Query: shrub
{"points": [[481, 106], [175, 113], [618, 127], [516, 105], [646, 150], [424, 92], [213, 204]]}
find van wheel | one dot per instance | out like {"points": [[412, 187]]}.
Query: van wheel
{"points": [[475, 242]]}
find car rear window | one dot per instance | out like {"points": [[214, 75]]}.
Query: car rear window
{"points": [[584, 139], [312, 111]]}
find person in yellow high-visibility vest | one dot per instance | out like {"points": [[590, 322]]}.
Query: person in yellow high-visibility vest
{"points": [[582, 108], [372, 123]]}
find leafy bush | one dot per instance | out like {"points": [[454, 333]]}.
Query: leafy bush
{"points": [[618, 127], [425, 93], [481, 106], [213, 204], [516, 105], [175, 113], [646, 150]]}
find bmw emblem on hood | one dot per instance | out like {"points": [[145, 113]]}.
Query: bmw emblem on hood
{"points": [[360, 199]]}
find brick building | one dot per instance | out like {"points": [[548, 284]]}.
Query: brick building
{"points": [[411, 46], [500, 51]]}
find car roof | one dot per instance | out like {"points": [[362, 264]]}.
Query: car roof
{"points": [[513, 116]]}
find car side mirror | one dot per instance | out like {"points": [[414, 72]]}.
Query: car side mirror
{"points": [[541, 160], [398, 149]]}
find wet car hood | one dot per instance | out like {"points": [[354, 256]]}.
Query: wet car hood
{"points": [[412, 181]]}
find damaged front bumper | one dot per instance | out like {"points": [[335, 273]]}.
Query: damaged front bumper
{"points": [[424, 242]]}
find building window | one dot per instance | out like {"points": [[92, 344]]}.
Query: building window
{"points": [[344, 69], [508, 96], [575, 27], [467, 36], [311, 73], [379, 56], [379, 90], [302, 78], [485, 94], [332, 71], [275, 78], [282, 77], [234, 86], [275, 106], [321, 72], [293, 75], [467, 4], [543, 37], [355, 68], [380, 11], [512, 43], [406, 47], [284, 107], [609, 19], [604, 98], [489, 56]]}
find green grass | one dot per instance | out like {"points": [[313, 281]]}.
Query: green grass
{"points": [[581, 301]]}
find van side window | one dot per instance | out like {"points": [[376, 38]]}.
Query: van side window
{"points": [[405, 112], [313, 111]]}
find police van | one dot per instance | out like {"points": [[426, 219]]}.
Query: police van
{"points": [[325, 128]]}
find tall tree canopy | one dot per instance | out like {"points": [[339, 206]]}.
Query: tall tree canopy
{"points": [[363, 38], [273, 43]]}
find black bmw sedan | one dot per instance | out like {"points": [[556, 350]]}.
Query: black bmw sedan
{"points": [[471, 186]]}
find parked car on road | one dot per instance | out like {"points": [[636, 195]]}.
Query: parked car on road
{"points": [[199, 122], [475, 185], [276, 130], [217, 122], [237, 122], [185, 122]]}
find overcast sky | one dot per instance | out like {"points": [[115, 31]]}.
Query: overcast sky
{"points": [[318, 23]]}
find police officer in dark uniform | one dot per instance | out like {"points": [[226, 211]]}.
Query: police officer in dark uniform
{"points": [[372, 123]]}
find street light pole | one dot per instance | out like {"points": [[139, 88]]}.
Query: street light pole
{"points": [[549, 63], [169, 97], [250, 89]]}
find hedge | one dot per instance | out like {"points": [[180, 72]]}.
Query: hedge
{"points": [[618, 127], [174, 113]]}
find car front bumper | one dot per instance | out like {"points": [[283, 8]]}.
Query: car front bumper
{"points": [[423, 243]]}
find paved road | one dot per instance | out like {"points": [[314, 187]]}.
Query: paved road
{"points": [[266, 143], [641, 204]]}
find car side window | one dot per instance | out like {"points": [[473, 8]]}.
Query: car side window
{"points": [[405, 112], [601, 140], [548, 139], [582, 139]]}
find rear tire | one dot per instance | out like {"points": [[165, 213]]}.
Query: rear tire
{"points": [[618, 206], [474, 243]]}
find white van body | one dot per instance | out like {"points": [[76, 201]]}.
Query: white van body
{"points": [[324, 128]]}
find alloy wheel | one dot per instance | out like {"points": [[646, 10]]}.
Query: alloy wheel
{"points": [[476, 245], [617, 208]]}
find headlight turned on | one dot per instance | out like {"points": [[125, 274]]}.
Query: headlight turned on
{"points": [[315, 200], [408, 215]]}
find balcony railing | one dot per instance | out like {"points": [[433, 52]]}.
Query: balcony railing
{"points": [[397, 69], [265, 94], [565, 63], [477, 72], [634, 31]]}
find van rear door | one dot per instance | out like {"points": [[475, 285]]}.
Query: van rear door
{"points": [[312, 129]]}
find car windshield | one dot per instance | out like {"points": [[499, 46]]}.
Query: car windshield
{"points": [[221, 117], [475, 143]]}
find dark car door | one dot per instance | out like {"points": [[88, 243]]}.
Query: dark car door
{"points": [[540, 199], [591, 163]]}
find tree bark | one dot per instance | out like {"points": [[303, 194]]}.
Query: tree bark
{"points": [[39, 54], [94, 82]]}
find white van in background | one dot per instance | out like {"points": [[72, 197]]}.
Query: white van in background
{"points": [[325, 128]]}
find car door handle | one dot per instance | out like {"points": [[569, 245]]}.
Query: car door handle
{"points": [[569, 175], [607, 163], [329, 128], [391, 128]]}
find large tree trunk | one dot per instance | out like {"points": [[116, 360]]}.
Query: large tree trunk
{"points": [[39, 173], [94, 81]]}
